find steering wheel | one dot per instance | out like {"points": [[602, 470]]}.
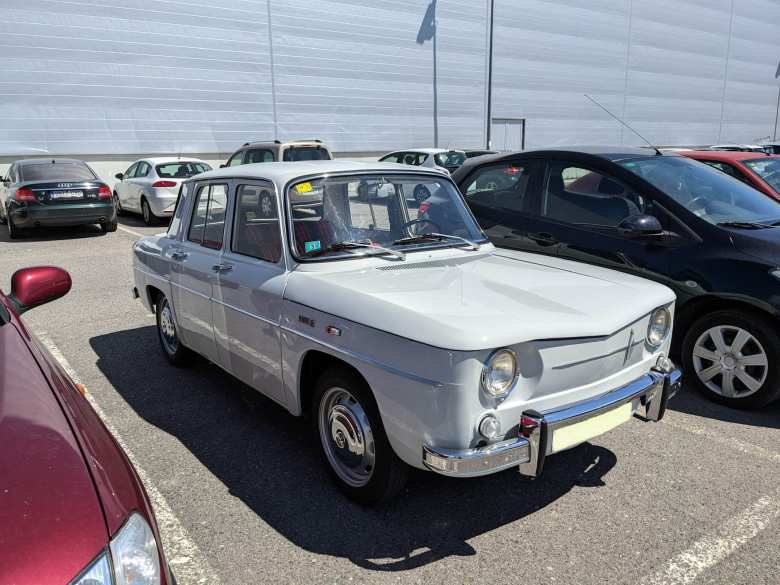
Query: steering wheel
{"points": [[420, 220]]}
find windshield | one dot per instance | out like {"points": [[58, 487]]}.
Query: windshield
{"points": [[56, 172], [706, 192], [181, 169], [450, 159], [766, 168], [396, 212], [296, 153]]}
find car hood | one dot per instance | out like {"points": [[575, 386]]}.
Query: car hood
{"points": [[479, 301], [52, 518]]}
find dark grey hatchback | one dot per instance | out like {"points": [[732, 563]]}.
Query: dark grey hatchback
{"points": [[54, 192]]}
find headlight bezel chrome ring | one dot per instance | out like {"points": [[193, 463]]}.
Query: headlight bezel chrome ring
{"points": [[649, 339], [486, 368]]}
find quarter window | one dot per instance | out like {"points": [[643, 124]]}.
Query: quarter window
{"points": [[582, 196], [208, 216], [256, 230]]}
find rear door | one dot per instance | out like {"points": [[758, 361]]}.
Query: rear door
{"points": [[248, 295], [193, 268]]}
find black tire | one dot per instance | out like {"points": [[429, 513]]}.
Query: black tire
{"points": [[176, 353], [388, 474], [109, 226], [146, 212], [118, 204], [14, 233], [765, 340]]}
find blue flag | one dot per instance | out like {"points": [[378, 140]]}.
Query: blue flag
{"points": [[428, 25]]}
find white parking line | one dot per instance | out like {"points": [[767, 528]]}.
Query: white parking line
{"points": [[184, 556], [129, 231], [713, 548]]}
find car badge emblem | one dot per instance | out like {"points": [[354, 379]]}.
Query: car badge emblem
{"points": [[64, 186]]}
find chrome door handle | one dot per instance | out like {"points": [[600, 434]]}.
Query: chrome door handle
{"points": [[178, 255], [222, 267]]}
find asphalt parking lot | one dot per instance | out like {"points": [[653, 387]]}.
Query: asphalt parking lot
{"points": [[242, 498]]}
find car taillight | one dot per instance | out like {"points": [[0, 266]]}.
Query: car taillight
{"points": [[164, 184], [104, 192], [25, 194]]}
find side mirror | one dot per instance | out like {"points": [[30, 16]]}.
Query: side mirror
{"points": [[31, 287], [120, 176], [641, 226], [222, 166]]}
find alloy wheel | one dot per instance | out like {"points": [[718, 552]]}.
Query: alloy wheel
{"points": [[730, 361], [346, 436]]}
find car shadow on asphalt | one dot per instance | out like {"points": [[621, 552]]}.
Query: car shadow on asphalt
{"points": [[49, 234], [269, 460], [690, 401]]}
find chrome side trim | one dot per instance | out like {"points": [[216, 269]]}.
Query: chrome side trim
{"points": [[189, 290], [475, 462], [366, 359], [247, 313]]}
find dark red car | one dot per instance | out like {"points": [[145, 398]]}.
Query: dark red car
{"points": [[72, 509], [757, 169]]}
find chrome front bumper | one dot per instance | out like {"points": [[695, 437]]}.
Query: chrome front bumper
{"points": [[528, 451]]}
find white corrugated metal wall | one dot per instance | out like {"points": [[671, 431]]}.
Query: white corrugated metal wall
{"points": [[134, 76]]}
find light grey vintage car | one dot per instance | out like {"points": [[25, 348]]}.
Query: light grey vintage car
{"points": [[404, 334]]}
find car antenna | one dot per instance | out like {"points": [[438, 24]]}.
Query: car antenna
{"points": [[655, 148]]}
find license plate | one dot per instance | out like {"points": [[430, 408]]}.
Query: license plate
{"points": [[67, 195], [567, 437]]}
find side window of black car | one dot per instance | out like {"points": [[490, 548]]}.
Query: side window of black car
{"points": [[577, 195], [501, 186]]}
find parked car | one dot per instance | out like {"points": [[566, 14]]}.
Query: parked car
{"points": [[441, 158], [772, 147], [761, 171], [54, 192], [407, 337], [149, 186], [71, 504], [475, 153], [277, 150], [739, 147], [707, 236]]}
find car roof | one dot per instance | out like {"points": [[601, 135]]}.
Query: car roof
{"points": [[311, 142], [158, 160], [50, 160], [282, 172], [424, 150], [727, 155], [612, 153]]}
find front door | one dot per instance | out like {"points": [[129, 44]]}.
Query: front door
{"points": [[248, 295], [193, 269]]}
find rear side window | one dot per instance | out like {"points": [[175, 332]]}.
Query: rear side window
{"points": [[208, 216], [296, 153], [256, 232], [143, 169], [56, 172], [501, 186], [259, 156]]}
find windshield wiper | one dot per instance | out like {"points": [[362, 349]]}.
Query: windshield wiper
{"points": [[436, 238], [342, 246], [745, 225]]}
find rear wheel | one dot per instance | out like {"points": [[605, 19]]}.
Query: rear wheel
{"points": [[176, 353], [14, 232], [109, 226], [146, 212], [353, 440], [733, 358]]}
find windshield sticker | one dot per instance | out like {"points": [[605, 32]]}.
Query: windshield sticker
{"points": [[312, 246], [304, 187]]}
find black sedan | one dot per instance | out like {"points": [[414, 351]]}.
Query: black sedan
{"points": [[712, 239], [54, 192]]}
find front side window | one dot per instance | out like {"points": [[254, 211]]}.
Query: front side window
{"points": [[500, 186], [341, 216], [704, 191], [181, 169], [58, 171], [298, 153], [259, 156], [208, 216], [130, 173], [394, 158], [236, 159], [582, 196], [256, 230], [767, 168]]}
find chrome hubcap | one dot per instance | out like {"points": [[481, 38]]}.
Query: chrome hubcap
{"points": [[167, 328], [730, 361], [346, 437]]}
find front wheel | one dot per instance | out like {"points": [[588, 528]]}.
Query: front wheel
{"points": [[733, 358], [174, 351], [118, 204], [353, 440]]}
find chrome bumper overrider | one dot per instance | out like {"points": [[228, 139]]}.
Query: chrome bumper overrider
{"points": [[528, 450]]}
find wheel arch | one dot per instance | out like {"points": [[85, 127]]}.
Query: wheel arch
{"points": [[312, 365]]}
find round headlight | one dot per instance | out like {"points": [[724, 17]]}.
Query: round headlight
{"points": [[499, 373], [658, 329]]}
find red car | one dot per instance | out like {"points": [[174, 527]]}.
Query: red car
{"points": [[72, 509], [758, 170]]}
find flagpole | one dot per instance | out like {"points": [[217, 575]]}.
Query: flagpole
{"points": [[435, 83], [777, 112]]}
